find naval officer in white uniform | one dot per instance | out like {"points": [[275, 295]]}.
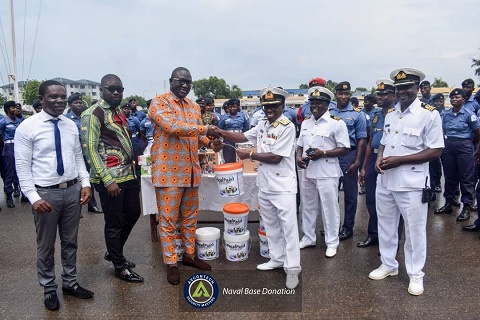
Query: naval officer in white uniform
{"points": [[412, 137], [323, 138], [276, 180]]}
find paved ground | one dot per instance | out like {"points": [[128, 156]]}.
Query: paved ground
{"points": [[330, 288]]}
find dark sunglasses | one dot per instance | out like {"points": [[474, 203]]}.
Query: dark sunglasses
{"points": [[112, 89], [183, 81]]}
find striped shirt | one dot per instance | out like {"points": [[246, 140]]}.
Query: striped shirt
{"points": [[106, 144]]}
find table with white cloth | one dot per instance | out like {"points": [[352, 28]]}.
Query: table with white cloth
{"points": [[209, 197]]}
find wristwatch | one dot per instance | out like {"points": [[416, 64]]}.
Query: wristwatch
{"points": [[324, 155]]}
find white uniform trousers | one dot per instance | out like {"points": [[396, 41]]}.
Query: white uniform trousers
{"points": [[390, 204], [320, 195], [279, 216]]}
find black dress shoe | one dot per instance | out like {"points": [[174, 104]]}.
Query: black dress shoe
{"points": [[471, 227], [456, 203], [128, 275], [447, 208], [94, 210], [464, 214], [50, 300], [345, 234], [128, 264], [433, 197], [10, 203], [77, 292], [16, 192], [368, 242]]}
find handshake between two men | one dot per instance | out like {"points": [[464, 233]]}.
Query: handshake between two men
{"points": [[214, 133]]}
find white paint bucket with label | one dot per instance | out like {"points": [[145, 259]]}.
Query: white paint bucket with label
{"points": [[235, 217], [207, 243], [229, 179], [237, 247], [263, 244]]}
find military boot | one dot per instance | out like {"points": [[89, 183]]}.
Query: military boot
{"points": [[10, 203]]}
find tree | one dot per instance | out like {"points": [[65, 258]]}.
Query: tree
{"points": [[331, 85], [303, 86], [476, 65], [439, 83], [140, 100], [30, 91], [361, 89], [215, 88], [87, 100], [3, 99]]}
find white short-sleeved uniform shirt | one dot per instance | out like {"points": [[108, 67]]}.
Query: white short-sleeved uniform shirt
{"points": [[277, 138], [326, 133], [405, 133]]}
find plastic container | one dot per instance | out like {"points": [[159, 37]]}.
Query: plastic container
{"points": [[229, 179], [237, 247], [207, 242], [235, 217], [263, 244]]}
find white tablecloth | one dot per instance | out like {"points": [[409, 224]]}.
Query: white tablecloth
{"points": [[210, 198]]}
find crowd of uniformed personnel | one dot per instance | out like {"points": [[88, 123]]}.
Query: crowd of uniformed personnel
{"points": [[395, 147]]}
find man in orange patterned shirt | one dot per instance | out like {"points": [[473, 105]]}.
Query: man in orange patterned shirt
{"points": [[176, 173]]}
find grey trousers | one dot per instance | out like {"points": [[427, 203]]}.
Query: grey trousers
{"points": [[65, 216]]}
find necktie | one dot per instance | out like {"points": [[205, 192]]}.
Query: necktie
{"points": [[58, 147]]}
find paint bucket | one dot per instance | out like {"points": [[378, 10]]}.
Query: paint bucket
{"points": [[263, 243], [178, 247], [237, 247], [229, 179], [235, 217], [207, 242]]}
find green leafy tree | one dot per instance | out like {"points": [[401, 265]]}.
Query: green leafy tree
{"points": [[476, 66], [216, 88], [87, 100], [3, 99], [141, 102], [303, 86], [30, 91], [330, 85], [439, 83]]}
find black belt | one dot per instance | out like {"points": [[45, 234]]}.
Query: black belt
{"points": [[353, 148], [457, 139], [63, 185]]}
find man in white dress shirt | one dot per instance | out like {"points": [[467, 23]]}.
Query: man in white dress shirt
{"points": [[53, 177], [323, 138], [412, 137]]}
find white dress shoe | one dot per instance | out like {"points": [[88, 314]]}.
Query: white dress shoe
{"points": [[270, 265], [382, 272], [415, 287], [292, 280], [304, 244], [331, 252]]}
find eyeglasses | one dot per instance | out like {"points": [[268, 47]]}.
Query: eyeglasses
{"points": [[183, 81], [112, 89]]}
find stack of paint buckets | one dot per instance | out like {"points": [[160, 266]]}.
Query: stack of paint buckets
{"points": [[236, 236]]}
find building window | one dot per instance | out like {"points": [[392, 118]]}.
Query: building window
{"points": [[82, 86], [71, 85], [76, 86], [84, 94], [94, 93], [94, 87]]}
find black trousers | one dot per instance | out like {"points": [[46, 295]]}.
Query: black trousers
{"points": [[120, 213]]}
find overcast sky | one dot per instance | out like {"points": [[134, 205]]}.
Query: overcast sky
{"points": [[249, 43]]}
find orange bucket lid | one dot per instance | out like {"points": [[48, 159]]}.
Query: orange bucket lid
{"points": [[228, 166], [260, 231], [235, 208]]}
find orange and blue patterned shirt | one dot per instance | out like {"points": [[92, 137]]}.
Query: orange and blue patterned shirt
{"points": [[178, 132]]}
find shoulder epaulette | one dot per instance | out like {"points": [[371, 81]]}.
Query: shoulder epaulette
{"points": [[357, 109], [428, 107], [390, 110], [284, 121], [334, 117]]}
